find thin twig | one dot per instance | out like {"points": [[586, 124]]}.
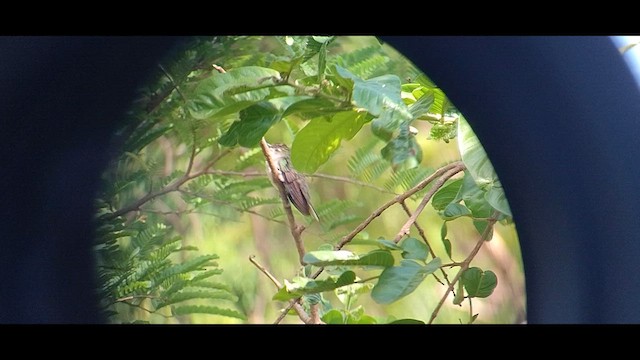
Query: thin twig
{"points": [[292, 303], [424, 237], [351, 181], [167, 189], [464, 266], [296, 230], [458, 166], [437, 185], [273, 279]]}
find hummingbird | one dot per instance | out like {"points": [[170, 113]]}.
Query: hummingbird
{"points": [[295, 185]]}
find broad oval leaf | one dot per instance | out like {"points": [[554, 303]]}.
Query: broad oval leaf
{"points": [[308, 286], [399, 281], [447, 194], [414, 249], [479, 283], [455, 210], [333, 316], [319, 139]]}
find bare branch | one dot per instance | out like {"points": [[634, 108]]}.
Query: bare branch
{"points": [[351, 181], [296, 230], [292, 303], [437, 185], [458, 166], [167, 189]]}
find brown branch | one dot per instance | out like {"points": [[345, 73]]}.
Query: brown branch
{"points": [[292, 303], [347, 238], [465, 265], [167, 189], [296, 230], [424, 237], [437, 185]]}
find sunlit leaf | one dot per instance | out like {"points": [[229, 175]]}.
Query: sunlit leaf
{"points": [[303, 286], [333, 316], [319, 139], [345, 258]]}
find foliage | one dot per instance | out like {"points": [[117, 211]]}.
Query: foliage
{"points": [[213, 104]]}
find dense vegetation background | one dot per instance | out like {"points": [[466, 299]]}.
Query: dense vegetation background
{"points": [[191, 227]]}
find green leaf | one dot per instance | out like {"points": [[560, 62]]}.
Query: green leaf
{"points": [[455, 210], [380, 96], [399, 281], [421, 106], [496, 197], [207, 309], [311, 108], [303, 286], [407, 322], [414, 249], [210, 98], [381, 258], [333, 316], [253, 124], [479, 283], [474, 197], [319, 139], [447, 194], [447, 246], [388, 244], [480, 168]]}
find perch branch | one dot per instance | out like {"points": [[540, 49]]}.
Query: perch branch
{"points": [[296, 230]]}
